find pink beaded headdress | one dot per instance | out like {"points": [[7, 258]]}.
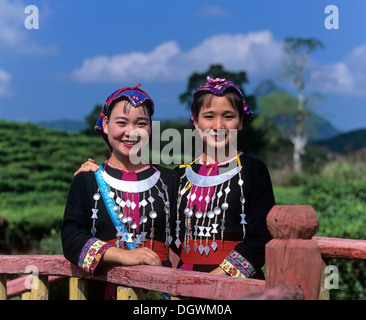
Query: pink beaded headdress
{"points": [[218, 87], [134, 95]]}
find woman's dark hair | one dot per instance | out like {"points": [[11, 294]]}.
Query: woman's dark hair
{"points": [[203, 98]]}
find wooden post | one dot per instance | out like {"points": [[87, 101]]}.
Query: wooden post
{"points": [[77, 289], [26, 295], [3, 293], [292, 258], [125, 293], [40, 287], [324, 293]]}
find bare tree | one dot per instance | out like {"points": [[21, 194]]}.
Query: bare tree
{"points": [[297, 54]]}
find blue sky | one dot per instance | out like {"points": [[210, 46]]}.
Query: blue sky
{"points": [[83, 50]]}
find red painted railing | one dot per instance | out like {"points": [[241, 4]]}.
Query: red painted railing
{"points": [[293, 267]]}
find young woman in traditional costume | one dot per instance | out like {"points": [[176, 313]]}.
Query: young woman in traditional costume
{"points": [[126, 204], [222, 203]]}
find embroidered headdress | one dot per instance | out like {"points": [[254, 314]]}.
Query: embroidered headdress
{"points": [[134, 95], [218, 87]]}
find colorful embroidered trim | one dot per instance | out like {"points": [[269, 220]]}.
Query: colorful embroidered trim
{"points": [[91, 253], [237, 266]]}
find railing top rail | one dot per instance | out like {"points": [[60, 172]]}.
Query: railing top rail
{"points": [[351, 249], [173, 281]]}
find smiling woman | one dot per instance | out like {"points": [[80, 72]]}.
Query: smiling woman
{"points": [[128, 131], [120, 214], [223, 201]]}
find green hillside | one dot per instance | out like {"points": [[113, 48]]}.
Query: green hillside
{"points": [[37, 167], [344, 143]]}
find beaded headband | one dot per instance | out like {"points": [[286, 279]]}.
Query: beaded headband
{"points": [[134, 95], [218, 87]]}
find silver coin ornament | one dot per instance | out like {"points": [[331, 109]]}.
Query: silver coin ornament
{"points": [[96, 196], [143, 219], [224, 206], [153, 214], [217, 211], [198, 214], [210, 214]]}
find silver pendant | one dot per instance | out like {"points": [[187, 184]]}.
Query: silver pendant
{"points": [[242, 218], [153, 214], [210, 214], [224, 206], [214, 228], [222, 224], [152, 230], [170, 239], [198, 214], [143, 236], [178, 223], [195, 247], [187, 248], [177, 243], [138, 239], [207, 250], [95, 211], [217, 211]]}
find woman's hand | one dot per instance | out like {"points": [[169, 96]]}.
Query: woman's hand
{"points": [[219, 271], [131, 257], [87, 166]]}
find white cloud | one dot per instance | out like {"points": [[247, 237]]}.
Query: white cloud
{"points": [[14, 37], [5, 79], [212, 11], [255, 52], [134, 65], [344, 77]]}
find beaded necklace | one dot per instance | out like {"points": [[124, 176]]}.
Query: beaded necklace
{"points": [[207, 202], [124, 197]]}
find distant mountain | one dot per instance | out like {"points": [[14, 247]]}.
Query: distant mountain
{"points": [[63, 124], [265, 87], [318, 127], [344, 143]]}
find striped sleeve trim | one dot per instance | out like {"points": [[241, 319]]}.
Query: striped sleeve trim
{"points": [[237, 266], [91, 253]]}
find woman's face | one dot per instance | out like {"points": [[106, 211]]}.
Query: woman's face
{"points": [[219, 121], [128, 129]]}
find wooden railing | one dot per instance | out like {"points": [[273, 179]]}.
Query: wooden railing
{"points": [[293, 268]]}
